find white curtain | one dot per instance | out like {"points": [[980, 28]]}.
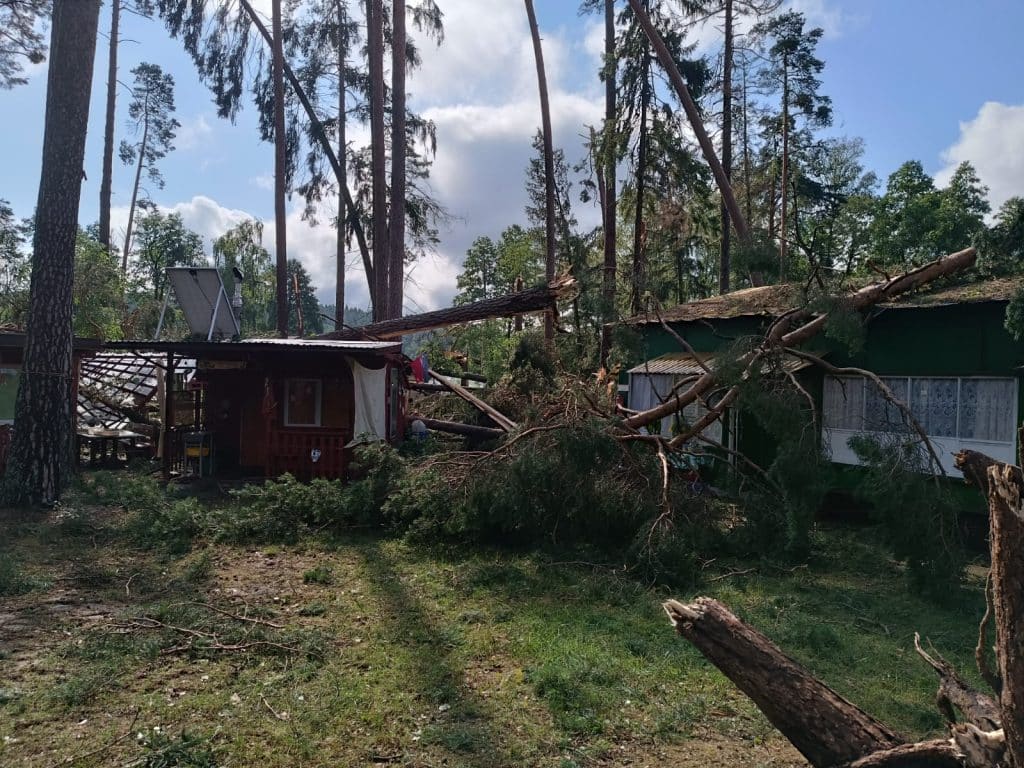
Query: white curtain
{"points": [[986, 409], [934, 404], [648, 390], [879, 414], [370, 403], [843, 403]]}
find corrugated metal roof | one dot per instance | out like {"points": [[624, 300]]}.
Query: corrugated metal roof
{"points": [[230, 348], [684, 364]]}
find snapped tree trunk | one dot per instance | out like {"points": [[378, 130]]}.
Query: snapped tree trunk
{"points": [[106, 182], [340, 171], [784, 183], [693, 115], [608, 181], [135, 189], [396, 226], [549, 164], [378, 171], [280, 171], [541, 299], [40, 458]]}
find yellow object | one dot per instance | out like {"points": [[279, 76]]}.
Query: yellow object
{"points": [[194, 451]]}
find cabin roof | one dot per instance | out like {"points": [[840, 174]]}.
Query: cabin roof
{"points": [[774, 300], [231, 349]]}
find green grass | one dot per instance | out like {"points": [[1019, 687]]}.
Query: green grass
{"points": [[373, 650]]}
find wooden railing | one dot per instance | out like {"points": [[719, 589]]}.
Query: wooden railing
{"points": [[307, 453]]}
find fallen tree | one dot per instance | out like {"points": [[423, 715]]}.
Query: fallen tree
{"points": [[830, 731], [788, 331], [541, 299]]}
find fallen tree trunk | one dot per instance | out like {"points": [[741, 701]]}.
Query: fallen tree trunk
{"points": [[457, 428], [541, 299], [494, 414], [976, 707], [780, 336], [826, 728]]}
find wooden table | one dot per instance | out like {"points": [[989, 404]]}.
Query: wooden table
{"points": [[107, 441]]}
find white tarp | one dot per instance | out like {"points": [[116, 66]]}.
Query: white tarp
{"points": [[371, 403]]}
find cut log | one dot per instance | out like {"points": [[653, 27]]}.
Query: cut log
{"points": [[780, 335], [533, 300], [938, 753], [826, 728], [457, 428], [494, 414]]}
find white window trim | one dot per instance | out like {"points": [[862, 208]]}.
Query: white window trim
{"points": [[318, 420], [836, 441]]}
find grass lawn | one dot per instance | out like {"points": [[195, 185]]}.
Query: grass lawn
{"points": [[368, 651]]}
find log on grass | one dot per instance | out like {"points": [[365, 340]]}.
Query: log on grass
{"points": [[826, 728], [457, 428], [976, 707], [540, 299]]}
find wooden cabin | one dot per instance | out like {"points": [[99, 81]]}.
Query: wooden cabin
{"points": [[270, 406]]}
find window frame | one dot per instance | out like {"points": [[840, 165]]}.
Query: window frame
{"points": [[15, 372], [318, 417]]}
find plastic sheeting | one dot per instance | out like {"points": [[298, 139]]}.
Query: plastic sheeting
{"points": [[370, 403]]}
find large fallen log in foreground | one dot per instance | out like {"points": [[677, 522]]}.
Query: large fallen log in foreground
{"points": [[541, 299], [833, 733]]}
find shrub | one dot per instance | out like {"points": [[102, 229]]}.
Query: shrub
{"points": [[170, 525]]}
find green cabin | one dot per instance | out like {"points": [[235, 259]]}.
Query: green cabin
{"points": [[945, 352]]}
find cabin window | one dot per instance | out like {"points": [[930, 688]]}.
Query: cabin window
{"points": [[955, 413], [649, 390], [8, 394], [302, 402]]}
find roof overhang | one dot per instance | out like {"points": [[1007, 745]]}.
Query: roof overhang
{"points": [[684, 364]]}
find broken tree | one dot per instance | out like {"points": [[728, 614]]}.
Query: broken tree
{"points": [[540, 299], [829, 730]]}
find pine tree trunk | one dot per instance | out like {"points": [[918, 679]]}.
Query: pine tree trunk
{"points": [[748, 198], [784, 181], [106, 183], [549, 164], [723, 264], [135, 190], [40, 459], [396, 228], [280, 171], [339, 281], [639, 235], [378, 171], [609, 185]]}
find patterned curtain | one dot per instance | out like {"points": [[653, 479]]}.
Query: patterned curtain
{"points": [[934, 405], [986, 409]]}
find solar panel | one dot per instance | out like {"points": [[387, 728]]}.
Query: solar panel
{"points": [[203, 301]]}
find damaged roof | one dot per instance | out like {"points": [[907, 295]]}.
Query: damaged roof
{"points": [[774, 300], [685, 364]]}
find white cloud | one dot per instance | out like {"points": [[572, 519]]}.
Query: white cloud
{"points": [[993, 142], [264, 181], [194, 132]]}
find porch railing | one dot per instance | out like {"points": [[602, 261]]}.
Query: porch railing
{"points": [[307, 454]]}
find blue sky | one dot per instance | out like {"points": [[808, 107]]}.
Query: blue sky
{"points": [[933, 80]]}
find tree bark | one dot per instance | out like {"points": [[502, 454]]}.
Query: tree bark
{"points": [[784, 185], [40, 459], [339, 275], [609, 183], [826, 728], [106, 183], [340, 171], [280, 171], [727, 54], [692, 114], [396, 225], [540, 299], [378, 171], [549, 164], [456, 428], [976, 707]]}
